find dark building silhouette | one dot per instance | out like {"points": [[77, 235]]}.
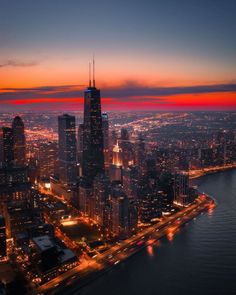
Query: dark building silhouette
{"points": [[140, 153], [14, 182], [6, 147], [105, 127], [18, 134], [67, 150], [80, 143], [101, 191], [181, 189], [3, 245], [47, 156], [123, 213], [93, 155]]}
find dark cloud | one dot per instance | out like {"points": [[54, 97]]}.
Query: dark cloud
{"points": [[15, 63], [129, 91]]}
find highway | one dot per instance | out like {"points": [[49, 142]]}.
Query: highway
{"points": [[200, 172], [71, 281]]}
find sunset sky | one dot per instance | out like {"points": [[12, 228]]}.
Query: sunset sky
{"points": [[153, 54]]}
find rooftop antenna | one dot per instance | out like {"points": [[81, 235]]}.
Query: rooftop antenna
{"points": [[93, 72], [89, 74]]}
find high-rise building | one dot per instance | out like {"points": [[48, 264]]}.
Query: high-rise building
{"points": [[14, 183], [149, 203], [86, 203], [140, 153], [18, 141], [67, 150], [127, 148], [101, 190], [114, 137], [130, 181], [48, 155], [6, 147], [119, 212], [80, 143], [3, 245], [117, 155], [181, 189], [93, 154], [105, 127], [123, 213], [22, 215]]}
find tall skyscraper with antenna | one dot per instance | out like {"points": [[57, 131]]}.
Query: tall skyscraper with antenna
{"points": [[93, 154]]}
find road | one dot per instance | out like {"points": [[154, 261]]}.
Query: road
{"points": [[200, 172], [69, 282]]}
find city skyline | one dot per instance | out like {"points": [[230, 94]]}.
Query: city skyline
{"points": [[117, 141], [161, 56]]}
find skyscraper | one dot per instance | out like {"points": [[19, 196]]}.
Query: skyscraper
{"points": [[6, 147], [18, 141], [123, 213], [13, 175], [47, 157], [67, 150], [3, 245], [105, 127], [126, 147], [101, 190], [80, 143], [140, 153], [181, 189], [93, 155]]}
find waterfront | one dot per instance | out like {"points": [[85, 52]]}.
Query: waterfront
{"points": [[201, 259]]}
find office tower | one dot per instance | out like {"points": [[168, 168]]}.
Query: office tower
{"points": [[126, 148], [14, 183], [124, 134], [130, 181], [46, 252], [3, 245], [133, 217], [48, 255], [206, 156], [181, 189], [150, 167], [33, 170], [105, 127], [47, 158], [117, 155], [149, 203], [123, 213], [101, 191], [114, 137], [6, 147], [18, 141], [93, 155], [80, 143], [20, 216], [119, 212], [85, 197], [140, 153], [67, 150], [115, 173]]}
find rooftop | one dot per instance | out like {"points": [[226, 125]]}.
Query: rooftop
{"points": [[43, 242]]}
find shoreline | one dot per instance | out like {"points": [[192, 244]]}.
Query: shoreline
{"points": [[149, 237], [194, 174]]}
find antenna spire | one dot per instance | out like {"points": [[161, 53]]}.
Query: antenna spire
{"points": [[89, 74], [93, 72]]}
